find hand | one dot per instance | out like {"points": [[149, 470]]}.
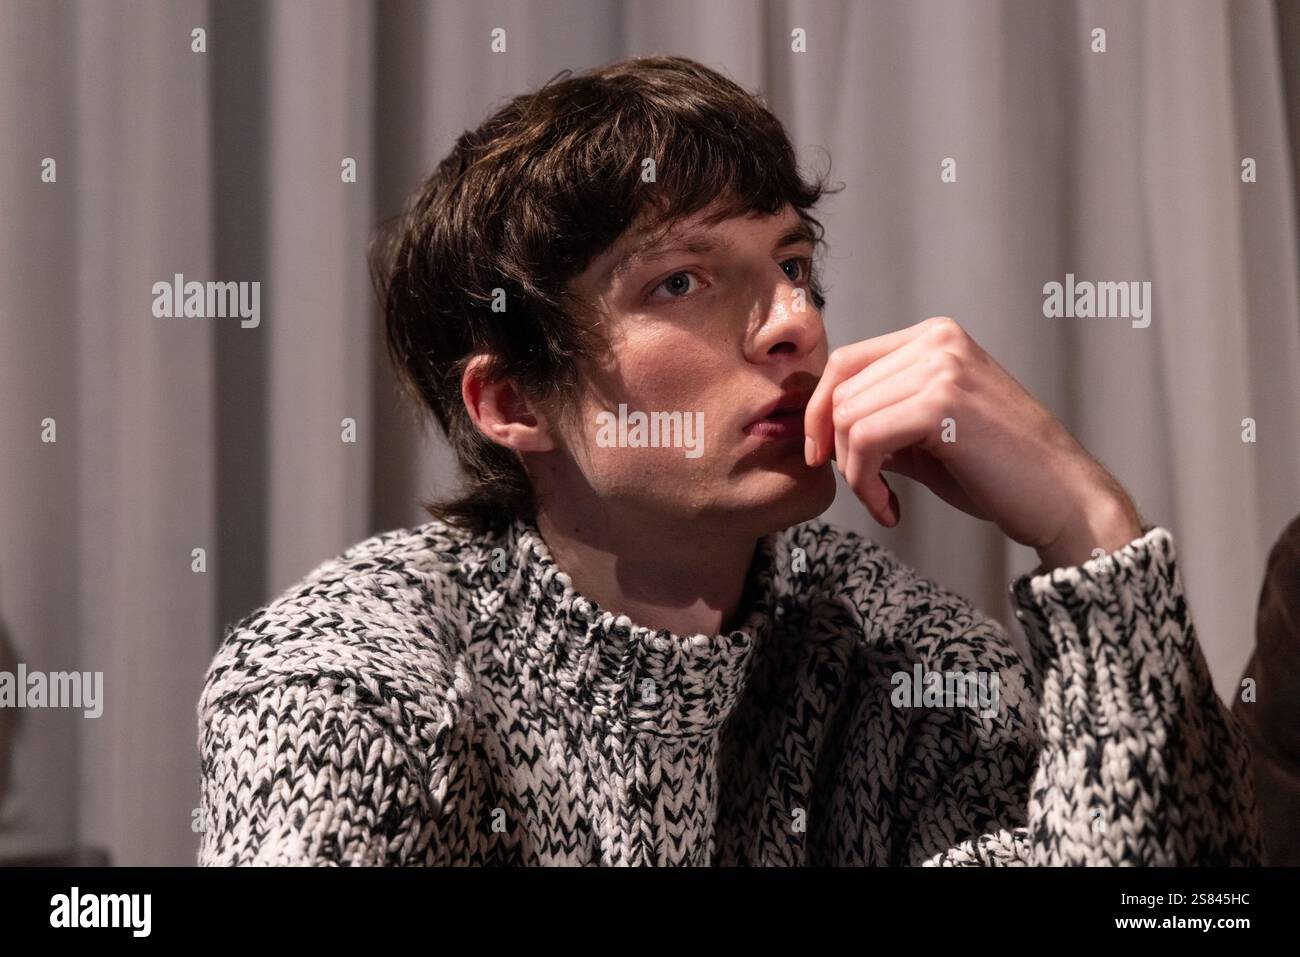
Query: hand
{"points": [[927, 402]]}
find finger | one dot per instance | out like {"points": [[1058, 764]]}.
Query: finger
{"points": [[922, 467], [853, 402], [844, 363], [871, 439], [881, 369], [901, 385]]}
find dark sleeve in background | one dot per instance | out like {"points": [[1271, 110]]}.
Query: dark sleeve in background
{"points": [[1272, 720]]}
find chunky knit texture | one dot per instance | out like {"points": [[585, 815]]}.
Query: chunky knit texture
{"points": [[432, 697]]}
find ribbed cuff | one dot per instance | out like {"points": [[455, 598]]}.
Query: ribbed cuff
{"points": [[1099, 631]]}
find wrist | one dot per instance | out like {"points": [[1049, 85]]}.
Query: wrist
{"points": [[1107, 522]]}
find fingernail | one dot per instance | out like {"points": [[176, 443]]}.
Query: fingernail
{"points": [[809, 450]]}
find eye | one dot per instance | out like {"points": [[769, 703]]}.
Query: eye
{"points": [[797, 269], [677, 285]]}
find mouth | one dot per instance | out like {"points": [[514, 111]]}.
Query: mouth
{"points": [[782, 419]]}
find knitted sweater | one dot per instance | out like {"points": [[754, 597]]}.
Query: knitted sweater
{"points": [[433, 697]]}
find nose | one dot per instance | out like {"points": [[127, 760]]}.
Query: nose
{"points": [[788, 324]]}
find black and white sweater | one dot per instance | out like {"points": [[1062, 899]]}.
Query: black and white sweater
{"points": [[433, 697]]}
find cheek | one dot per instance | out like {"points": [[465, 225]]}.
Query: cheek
{"points": [[669, 371]]}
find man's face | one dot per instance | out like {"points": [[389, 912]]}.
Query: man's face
{"points": [[713, 327]]}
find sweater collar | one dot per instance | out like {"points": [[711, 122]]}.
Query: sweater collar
{"points": [[649, 680]]}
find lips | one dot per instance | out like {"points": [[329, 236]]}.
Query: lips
{"points": [[782, 418]]}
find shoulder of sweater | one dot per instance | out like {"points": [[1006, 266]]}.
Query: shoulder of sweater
{"points": [[381, 624]]}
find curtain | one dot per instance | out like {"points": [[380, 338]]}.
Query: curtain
{"points": [[174, 435]]}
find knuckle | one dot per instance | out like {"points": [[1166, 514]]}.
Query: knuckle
{"points": [[860, 434], [943, 395], [945, 368], [942, 400], [945, 329]]}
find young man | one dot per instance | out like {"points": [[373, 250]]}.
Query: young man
{"points": [[628, 641]]}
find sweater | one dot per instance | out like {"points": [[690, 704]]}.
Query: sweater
{"points": [[435, 697]]}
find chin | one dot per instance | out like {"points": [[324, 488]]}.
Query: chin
{"points": [[814, 496], [778, 500]]}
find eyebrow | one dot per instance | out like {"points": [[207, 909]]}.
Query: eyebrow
{"points": [[697, 242]]}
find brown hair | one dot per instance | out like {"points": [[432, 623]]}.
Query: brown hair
{"points": [[524, 203]]}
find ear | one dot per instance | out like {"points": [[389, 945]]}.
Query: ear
{"points": [[501, 412]]}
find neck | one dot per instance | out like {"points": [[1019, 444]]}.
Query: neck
{"points": [[661, 574]]}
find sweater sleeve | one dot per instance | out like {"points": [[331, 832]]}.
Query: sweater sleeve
{"points": [[302, 772], [1129, 755]]}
